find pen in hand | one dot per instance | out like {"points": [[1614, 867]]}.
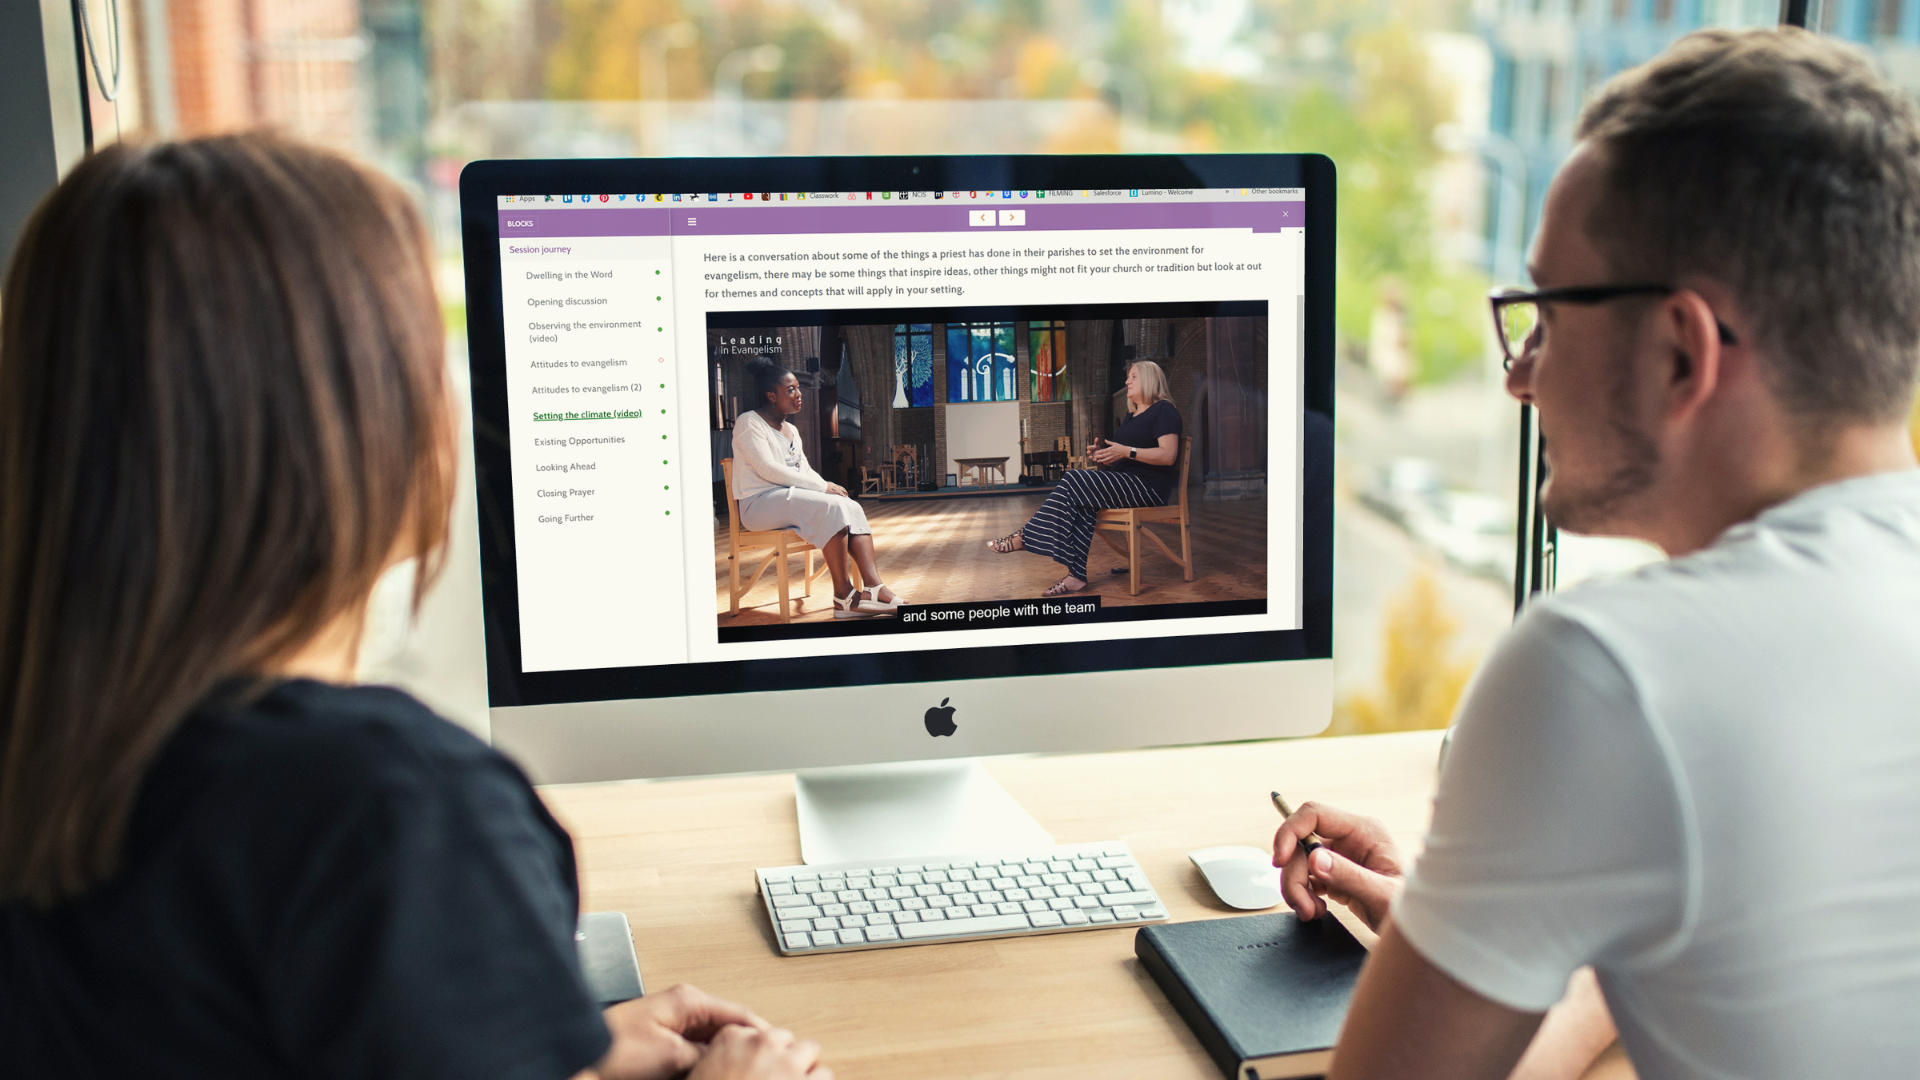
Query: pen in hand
{"points": [[1313, 839]]}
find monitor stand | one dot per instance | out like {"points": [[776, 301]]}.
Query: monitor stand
{"points": [[905, 809]]}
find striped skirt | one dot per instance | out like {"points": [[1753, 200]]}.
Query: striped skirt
{"points": [[1062, 529]]}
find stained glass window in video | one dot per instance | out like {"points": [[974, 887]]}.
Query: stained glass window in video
{"points": [[980, 362], [912, 365], [1048, 348]]}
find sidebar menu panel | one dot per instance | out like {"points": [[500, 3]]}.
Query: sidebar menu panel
{"points": [[596, 451]]}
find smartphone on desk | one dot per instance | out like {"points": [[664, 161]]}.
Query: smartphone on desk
{"points": [[605, 943]]}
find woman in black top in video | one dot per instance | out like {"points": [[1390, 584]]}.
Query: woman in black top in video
{"points": [[224, 413], [1137, 470]]}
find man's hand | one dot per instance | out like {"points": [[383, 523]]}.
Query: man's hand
{"points": [[1358, 864], [745, 1053], [661, 1035]]}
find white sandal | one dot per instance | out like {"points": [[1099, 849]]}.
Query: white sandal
{"points": [[859, 604]]}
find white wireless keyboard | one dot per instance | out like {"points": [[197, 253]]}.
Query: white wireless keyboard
{"points": [[844, 907]]}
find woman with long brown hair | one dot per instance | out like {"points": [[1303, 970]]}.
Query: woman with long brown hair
{"points": [[223, 415]]}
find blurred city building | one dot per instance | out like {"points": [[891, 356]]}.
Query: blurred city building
{"points": [[347, 73], [1549, 56]]}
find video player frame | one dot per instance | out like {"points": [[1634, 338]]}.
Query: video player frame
{"points": [[952, 426]]}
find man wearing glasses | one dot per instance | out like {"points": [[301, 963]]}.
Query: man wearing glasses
{"points": [[1701, 780]]}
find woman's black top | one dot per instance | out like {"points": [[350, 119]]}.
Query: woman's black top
{"points": [[327, 882], [1143, 430]]}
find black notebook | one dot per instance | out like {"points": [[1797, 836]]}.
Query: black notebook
{"points": [[1265, 994]]}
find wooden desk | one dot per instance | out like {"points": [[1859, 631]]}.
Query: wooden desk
{"points": [[678, 857], [978, 467]]}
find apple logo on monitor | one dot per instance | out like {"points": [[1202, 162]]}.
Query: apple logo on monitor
{"points": [[940, 719]]}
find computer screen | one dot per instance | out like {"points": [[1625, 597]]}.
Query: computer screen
{"points": [[962, 332]]}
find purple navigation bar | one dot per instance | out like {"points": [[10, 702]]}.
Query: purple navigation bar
{"points": [[687, 219], [628, 221]]}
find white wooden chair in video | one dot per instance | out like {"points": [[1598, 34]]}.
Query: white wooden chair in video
{"points": [[780, 545], [1133, 522]]}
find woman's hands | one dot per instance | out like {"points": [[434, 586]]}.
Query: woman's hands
{"points": [[666, 1033], [1166, 452], [1357, 864], [744, 1053]]}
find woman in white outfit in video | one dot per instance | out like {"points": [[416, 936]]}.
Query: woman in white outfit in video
{"points": [[777, 489]]}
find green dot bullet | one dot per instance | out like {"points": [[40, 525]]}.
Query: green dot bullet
{"points": [[666, 487], [663, 461]]}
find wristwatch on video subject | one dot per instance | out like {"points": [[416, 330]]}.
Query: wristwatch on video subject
{"points": [[1133, 452]]}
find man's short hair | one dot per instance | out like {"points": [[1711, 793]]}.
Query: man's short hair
{"points": [[1783, 165]]}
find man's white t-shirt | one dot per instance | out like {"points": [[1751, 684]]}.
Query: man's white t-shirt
{"points": [[1704, 780]]}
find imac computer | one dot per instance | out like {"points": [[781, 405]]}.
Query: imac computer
{"points": [[961, 331]]}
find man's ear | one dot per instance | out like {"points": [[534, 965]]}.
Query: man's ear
{"points": [[1695, 350]]}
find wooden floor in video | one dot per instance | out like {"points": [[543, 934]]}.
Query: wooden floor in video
{"points": [[934, 551]]}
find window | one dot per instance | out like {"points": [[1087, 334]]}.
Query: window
{"points": [[726, 402], [1556, 76], [847, 414], [1886, 18], [912, 365], [980, 362], [1428, 223], [1047, 353]]}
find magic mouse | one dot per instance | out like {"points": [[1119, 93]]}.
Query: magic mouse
{"points": [[1242, 877]]}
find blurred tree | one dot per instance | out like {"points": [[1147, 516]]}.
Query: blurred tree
{"points": [[593, 47], [1348, 78], [1379, 132], [1420, 677], [816, 64], [477, 51]]}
